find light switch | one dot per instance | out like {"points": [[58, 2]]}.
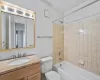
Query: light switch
{"points": [[46, 13]]}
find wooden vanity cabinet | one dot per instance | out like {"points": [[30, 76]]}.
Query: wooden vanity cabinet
{"points": [[34, 77], [31, 72]]}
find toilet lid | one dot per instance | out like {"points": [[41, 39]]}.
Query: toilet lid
{"points": [[52, 75]]}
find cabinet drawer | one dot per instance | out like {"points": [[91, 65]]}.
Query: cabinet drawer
{"points": [[35, 77], [20, 73]]}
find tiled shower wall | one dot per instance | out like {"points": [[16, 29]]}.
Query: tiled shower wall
{"points": [[58, 43], [82, 42]]}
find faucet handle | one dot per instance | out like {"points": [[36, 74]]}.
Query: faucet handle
{"points": [[13, 56]]}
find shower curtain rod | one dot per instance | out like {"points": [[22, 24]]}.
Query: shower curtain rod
{"points": [[86, 5], [83, 18]]}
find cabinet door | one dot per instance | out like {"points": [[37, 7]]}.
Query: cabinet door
{"points": [[35, 77]]}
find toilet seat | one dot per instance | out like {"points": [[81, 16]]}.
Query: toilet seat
{"points": [[52, 75]]}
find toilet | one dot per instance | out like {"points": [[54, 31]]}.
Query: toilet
{"points": [[46, 69]]}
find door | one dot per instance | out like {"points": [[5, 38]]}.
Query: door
{"points": [[20, 28], [19, 39], [35, 77]]}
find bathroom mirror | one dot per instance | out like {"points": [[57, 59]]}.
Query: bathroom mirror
{"points": [[17, 27], [17, 31]]}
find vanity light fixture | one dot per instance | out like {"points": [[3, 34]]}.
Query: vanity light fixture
{"points": [[16, 10]]}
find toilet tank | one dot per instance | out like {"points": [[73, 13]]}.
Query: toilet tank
{"points": [[46, 64]]}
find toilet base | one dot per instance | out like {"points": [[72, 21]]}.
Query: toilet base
{"points": [[52, 75]]}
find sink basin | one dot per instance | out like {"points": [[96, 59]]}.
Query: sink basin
{"points": [[19, 61]]}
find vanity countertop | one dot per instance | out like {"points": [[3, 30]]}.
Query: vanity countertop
{"points": [[5, 68]]}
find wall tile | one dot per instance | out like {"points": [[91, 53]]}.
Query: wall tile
{"points": [[83, 42]]}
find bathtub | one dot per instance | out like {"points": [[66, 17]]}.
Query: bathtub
{"points": [[68, 71]]}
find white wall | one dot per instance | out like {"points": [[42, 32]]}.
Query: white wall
{"points": [[85, 12], [44, 27]]}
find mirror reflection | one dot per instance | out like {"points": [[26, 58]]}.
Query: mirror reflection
{"points": [[17, 31]]}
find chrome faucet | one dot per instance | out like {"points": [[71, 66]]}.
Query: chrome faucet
{"points": [[19, 54]]}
